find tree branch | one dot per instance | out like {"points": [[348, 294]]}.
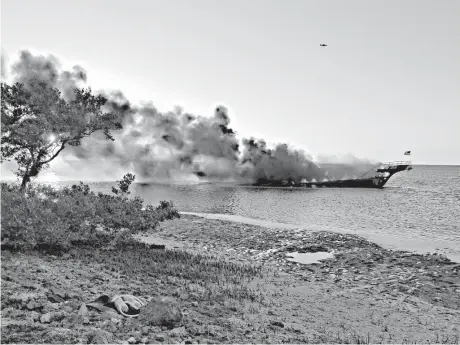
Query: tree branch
{"points": [[55, 155]]}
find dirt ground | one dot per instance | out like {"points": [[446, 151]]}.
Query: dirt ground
{"points": [[240, 287], [364, 291]]}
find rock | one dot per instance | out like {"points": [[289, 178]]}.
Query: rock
{"points": [[67, 309], [34, 316], [93, 290], [54, 306], [56, 295], [160, 337], [100, 337], [34, 305], [145, 330], [74, 319], [52, 316], [23, 298], [74, 304], [109, 326], [145, 340], [83, 310], [58, 335], [277, 323], [132, 340], [183, 296], [46, 318], [178, 332], [161, 312], [73, 295]]}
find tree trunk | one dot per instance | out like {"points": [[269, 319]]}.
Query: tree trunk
{"points": [[32, 172], [25, 181]]}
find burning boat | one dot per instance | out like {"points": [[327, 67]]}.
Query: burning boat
{"points": [[377, 177]]}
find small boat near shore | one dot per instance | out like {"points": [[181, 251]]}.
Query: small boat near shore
{"points": [[377, 177]]}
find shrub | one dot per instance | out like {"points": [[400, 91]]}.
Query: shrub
{"points": [[54, 220]]}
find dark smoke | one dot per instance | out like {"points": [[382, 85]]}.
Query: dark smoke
{"points": [[172, 145], [47, 68], [263, 164]]}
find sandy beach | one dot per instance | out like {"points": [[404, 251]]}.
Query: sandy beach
{"points": [[235, 283]]}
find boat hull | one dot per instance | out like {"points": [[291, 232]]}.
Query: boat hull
{"points": [[382, 176], [357, 183]]}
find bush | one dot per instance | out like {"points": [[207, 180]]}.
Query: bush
{"points": [[55, 220]]}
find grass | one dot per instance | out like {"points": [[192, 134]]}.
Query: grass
{"points": [[204, 276]]}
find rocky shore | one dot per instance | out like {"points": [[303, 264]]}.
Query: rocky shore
{"points": [[233, 283]]}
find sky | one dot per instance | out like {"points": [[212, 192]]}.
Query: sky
{"points": [[387, 82]]}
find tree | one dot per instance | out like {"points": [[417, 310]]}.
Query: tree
{"points": [[123, 185], [37, 124]]}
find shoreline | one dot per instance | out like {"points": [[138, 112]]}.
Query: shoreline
{"points": [[364, 293], [416, 245]]}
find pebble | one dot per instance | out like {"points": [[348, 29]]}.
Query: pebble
{"points": [[31, 305], [277, 323], [178, 332], [67, 309], [83, 310], [46, 318], [93, 290], [132, 340], [34, 316], [100, 337], [160, 337]]}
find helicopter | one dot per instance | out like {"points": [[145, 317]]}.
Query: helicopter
{"points": [[323, 45]]}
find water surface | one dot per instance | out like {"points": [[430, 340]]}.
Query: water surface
{"points": [[417, 210]]}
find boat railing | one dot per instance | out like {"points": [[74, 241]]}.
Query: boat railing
{"points": [[397, 163]]}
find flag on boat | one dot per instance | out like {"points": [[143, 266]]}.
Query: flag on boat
{"points": [[407, 153]]}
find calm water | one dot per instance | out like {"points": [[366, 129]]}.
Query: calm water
{"points": [[417, 210]]}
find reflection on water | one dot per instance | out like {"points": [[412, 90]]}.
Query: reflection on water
{"points": [[308, 258]]}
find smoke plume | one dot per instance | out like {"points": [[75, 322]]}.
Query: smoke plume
{"points": [[47, 68], [171, 145], [263, 164]]}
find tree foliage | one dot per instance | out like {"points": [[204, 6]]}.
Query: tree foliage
{"points": [[123, 185], [37, 124]]}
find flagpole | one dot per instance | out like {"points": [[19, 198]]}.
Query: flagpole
{"points": [[409, 153]]}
